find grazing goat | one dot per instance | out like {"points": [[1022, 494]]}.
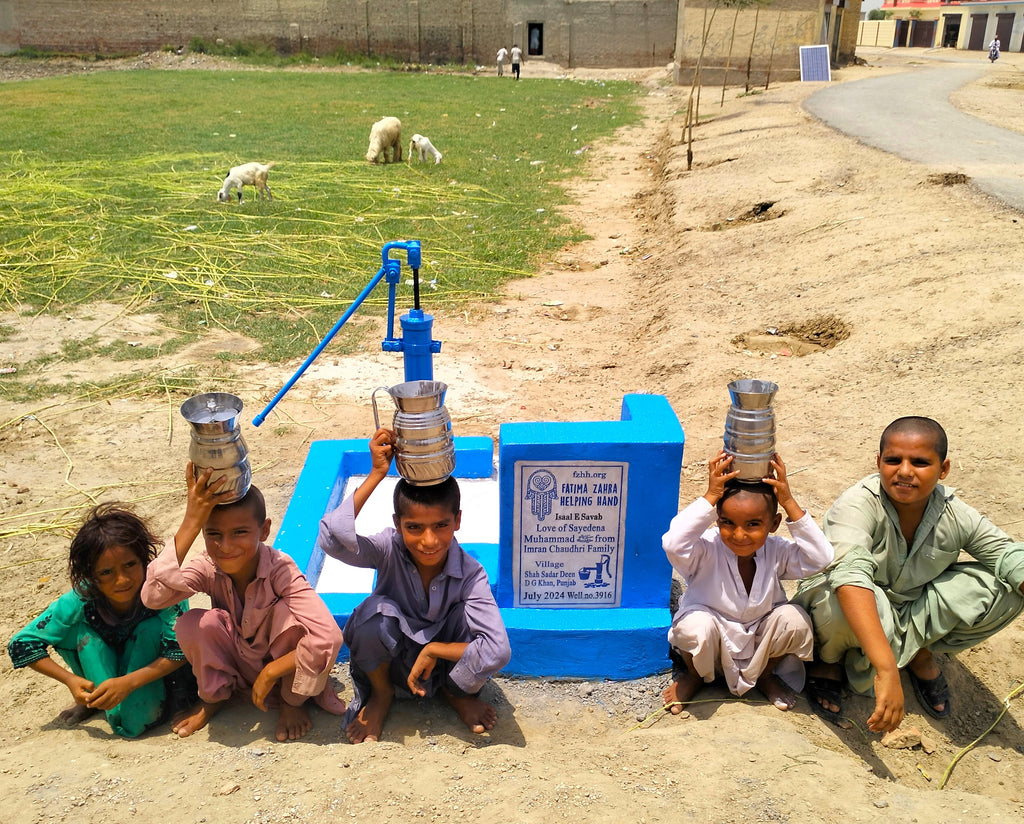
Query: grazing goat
{"points": [[248, 174], [423, 147], [385, 134]]}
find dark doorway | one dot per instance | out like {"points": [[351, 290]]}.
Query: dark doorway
{"points": [[535, 39], [835, 33], [977, 35], [951, 33], [922, 33], [1004, 26], [902, 33]]}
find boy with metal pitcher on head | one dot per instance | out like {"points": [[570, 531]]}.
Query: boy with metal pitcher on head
{"points": [[431, 625], [267, 635], [733, 619]]}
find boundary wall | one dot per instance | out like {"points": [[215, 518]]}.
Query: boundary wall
{"points": [[877, 33], [769, 36], [596, 33]]}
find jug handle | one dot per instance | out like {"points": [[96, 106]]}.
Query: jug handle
{"points": [[373, 400]]}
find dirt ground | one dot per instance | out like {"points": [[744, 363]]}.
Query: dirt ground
{"points": [[865, 286]]}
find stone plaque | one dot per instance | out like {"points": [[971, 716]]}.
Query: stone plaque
{"points": [[568, 532]]}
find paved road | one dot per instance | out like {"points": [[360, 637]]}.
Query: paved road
{"points": [[910, 115]]}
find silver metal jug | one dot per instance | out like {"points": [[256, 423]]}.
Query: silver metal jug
{"points": [[217, 441], [424, 448], [750, 428]]}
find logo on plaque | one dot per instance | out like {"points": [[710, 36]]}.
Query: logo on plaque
{"points": [[541, 490], [567, 543]]}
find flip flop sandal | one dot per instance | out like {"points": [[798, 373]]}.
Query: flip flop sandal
{"points": [[932, 691], [831, 691]]}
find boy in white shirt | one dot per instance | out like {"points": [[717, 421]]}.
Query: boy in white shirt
{"points": [[734, 619], [517, 57]]}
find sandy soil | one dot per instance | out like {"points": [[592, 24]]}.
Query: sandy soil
{"points": [[864, 289]]}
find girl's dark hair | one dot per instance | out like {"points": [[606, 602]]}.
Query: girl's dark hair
{"points": [[106, 526], [766, 491]]}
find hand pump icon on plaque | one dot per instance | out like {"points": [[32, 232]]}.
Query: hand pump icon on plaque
{"points": [[600, 569]]}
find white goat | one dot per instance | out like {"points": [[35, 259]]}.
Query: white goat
{"points": [[385, 134], [248, 174], [423, 147]]}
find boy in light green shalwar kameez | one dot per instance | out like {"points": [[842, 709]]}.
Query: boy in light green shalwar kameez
{"points": [[897, 591]]}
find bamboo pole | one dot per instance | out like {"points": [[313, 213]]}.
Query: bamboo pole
{"points": [[728, 59], [692, 108], [750, 54], [771, 56]]}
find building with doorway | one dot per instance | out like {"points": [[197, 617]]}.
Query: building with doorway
{"points": [[571, 33], [947, 24], [567, 32], [981, 22]]}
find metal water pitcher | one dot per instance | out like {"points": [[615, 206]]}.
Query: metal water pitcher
{"points": [[424, 448], [217, 441], [750, 428]]}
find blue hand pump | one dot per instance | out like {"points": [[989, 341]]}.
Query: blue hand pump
{"points": [[416, 344]]}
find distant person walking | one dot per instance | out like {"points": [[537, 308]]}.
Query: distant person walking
{"points": [[502, 57], [517, 56], [993, 50]]}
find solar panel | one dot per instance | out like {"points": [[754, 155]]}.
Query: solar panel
{"points": [[814, 65]]}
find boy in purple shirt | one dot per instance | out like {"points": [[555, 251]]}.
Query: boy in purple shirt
{"points": [[431, 625]]}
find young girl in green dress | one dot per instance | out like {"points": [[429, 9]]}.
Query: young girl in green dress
{"points": [[123, 657]]}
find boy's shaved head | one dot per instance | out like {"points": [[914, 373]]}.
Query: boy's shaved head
{"points": [[445, 494], [253, 501], [915, 425]]}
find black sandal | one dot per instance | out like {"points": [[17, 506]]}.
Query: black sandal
{"points": [[830, 690], [932, 691]]}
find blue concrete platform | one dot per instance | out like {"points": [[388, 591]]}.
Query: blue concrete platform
{"points": [[576, 567]]}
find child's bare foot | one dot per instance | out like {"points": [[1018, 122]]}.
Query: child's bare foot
{"points": [[478, 715], [190, 721], [680, 691], [776, 691], [369, 723], [292, 722], [76, 714]]}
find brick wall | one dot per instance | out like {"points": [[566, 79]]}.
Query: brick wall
{"points": [[576, 32]]}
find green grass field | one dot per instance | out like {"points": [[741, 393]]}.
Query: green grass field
{"points": [[108, 189]]}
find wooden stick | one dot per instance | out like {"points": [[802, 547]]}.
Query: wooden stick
{"points": [[750, 54], [771, 56], [728, 59]]}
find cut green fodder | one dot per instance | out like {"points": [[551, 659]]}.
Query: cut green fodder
{"points": [[125, 209], [178, 382]]}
